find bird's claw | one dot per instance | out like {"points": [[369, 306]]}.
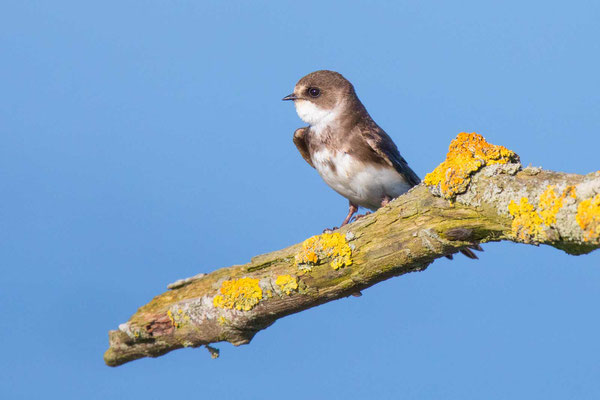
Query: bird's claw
{"points": [[358, 216]]}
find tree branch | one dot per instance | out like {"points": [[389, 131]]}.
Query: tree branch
{"points": [[479, 194]]}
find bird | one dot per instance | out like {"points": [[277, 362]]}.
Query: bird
{"points": [[351, 153]]}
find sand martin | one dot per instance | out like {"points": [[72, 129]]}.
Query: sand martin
{"points": [[352, 154]]}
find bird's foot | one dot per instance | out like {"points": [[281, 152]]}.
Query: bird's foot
{"points": [[386, 200], [358, 216], [330, 230]]}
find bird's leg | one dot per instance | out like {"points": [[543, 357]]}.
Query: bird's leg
{"points": [[352, 209], [384, 202]]}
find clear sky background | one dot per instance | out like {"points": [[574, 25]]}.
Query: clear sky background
{"points": [[146, 141]]}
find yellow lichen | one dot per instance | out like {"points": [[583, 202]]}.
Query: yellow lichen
{"points": [[588, 218], [242, 294], [527, 224], [287, 283], [222, 320], [530, 221], [170, 315], [467, 154], [550, 203], [328, 245], [178, 318]]}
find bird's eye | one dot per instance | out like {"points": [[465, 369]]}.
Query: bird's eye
{"points": [[314, 92]]}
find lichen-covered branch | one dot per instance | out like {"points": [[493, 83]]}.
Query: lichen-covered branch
{"points": [[479, 194]]}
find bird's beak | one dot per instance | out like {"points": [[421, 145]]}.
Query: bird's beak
{"points": [[290, 97]]}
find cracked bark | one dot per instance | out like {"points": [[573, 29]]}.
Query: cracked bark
{"points": [[546, 207]]}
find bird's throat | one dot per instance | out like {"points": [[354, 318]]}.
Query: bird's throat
{"points": [[316, 116]]}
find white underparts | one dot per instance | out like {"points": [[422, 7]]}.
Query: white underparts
{"points": [[363, 184]]}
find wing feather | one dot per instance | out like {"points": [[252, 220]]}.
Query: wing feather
{"points": [[385, 148], [300, 140]]}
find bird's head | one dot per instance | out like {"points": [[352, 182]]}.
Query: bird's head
{"points": [[321, 96]]}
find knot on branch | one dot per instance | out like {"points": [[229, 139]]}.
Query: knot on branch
{"points": [[467, 154]]}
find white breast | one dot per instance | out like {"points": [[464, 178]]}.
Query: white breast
{"points": [[363, 184]]}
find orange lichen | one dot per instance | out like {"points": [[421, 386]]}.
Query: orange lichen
{"points": [[588, 218], [328, 245], [242, 294], [550, 203], [287, 283], [468, 153], [570, 191], [530, 221], [527, 224]]}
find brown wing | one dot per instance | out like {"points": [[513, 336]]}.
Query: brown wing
{"points": [[385, 148], [300, 137]]}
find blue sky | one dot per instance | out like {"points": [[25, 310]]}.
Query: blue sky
{"points": [[145, 141]]}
